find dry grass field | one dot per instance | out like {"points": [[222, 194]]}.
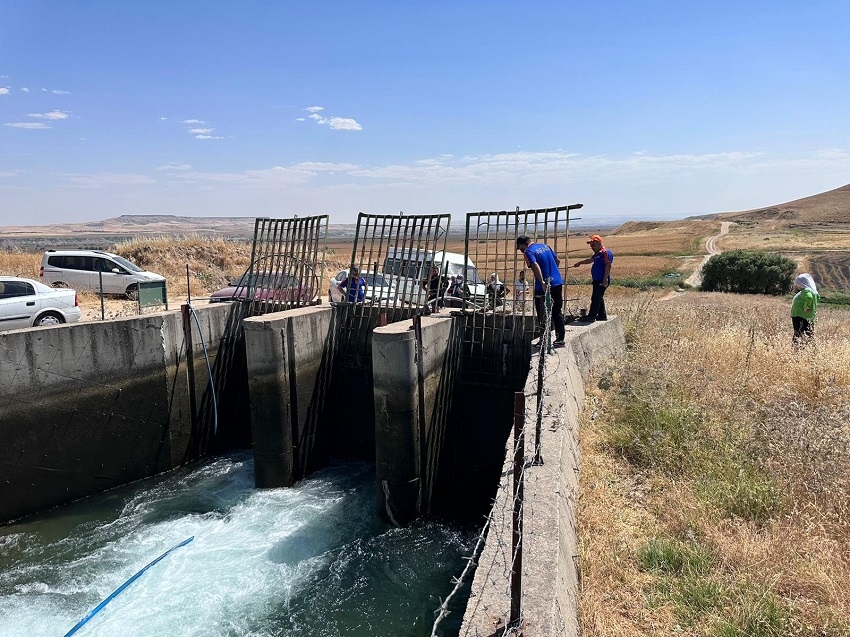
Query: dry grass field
{"points": [[716, 474]]}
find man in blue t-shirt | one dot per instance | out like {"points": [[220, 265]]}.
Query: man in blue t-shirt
{"points": [[354, 284], [543, 262], [600, 272]]}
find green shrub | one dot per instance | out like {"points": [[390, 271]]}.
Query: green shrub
{"points": [[657, 436], [748, 272], [741, 490], [672, 556], [756, 614]]}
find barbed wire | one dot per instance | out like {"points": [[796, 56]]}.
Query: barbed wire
{"points": [[498, 512]]}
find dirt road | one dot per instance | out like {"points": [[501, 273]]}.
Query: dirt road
{"points": [[711, 248]]}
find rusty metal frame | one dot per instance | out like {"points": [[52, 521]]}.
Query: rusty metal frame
{"points": [[396, 249], [497, 324], [287, 264]]}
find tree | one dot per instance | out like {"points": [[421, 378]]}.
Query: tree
{"points": [[748, 272]]}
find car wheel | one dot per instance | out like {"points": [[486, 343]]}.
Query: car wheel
{"points": [[49, 318], [133, 292]]}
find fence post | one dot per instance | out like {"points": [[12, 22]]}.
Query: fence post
{"points": [[102, 309], [516, 540], [185, 312]]}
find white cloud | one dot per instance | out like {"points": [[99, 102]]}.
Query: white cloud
{"points": [[201, 131], [9, 175], [58, 92], [344, 123], [4, 91], [31, 125], [194, 121], [314, 109], [174, 166], [52, 115], [208, 137], [25, 89], [336, 123], [319, 166], [274, 177], [162, 119], [300, 119], [100, 180]]}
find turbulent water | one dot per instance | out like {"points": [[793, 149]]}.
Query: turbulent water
{"points": [[313, 560]]}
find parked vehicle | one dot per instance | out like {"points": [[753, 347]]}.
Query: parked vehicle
{"points": [[408, 269], [268, 286], [378, 290], [28, 303], [83, 270]]}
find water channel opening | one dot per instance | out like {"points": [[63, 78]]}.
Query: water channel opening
{"points": [[314, 559]]}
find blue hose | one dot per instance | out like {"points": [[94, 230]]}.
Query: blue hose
{"points": [[115, 593]]}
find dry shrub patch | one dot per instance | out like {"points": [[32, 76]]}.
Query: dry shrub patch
{"points": [[212, 261], [729, 452]]}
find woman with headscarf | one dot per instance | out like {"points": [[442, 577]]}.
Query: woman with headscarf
{"points": [[496, 291], [804, 306]]}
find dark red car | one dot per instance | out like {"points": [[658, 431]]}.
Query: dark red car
{"points": [[268, 286]]}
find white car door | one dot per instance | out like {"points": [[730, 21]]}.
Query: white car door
{"points": [[18, 304], [113, 282]]}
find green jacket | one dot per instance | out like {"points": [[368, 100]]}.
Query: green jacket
{"points": [[805, 304]]}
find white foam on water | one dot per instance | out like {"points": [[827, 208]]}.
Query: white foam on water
{"points": [[252, 551], [309, 560]]}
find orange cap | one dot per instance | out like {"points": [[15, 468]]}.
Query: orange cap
{"points": [[595, 237]]}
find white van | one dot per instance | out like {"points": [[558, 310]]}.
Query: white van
{"points": [[82, 270], [409, 269]]}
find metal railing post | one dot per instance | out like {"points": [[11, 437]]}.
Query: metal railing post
{"points": [[516, 540]]}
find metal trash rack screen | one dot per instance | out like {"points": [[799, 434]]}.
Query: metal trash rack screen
{"points": [[395, 254], [287, 264], [502, 315]]}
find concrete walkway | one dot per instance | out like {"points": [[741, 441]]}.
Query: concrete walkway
{"points": [[549, 571]]}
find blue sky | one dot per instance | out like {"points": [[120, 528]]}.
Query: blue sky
{"points": [[637, 109]]}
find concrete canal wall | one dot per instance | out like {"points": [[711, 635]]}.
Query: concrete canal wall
{"points": [[550, 583], [89, 406]]}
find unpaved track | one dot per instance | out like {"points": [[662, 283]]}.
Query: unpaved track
{"points": [[711, 248]]}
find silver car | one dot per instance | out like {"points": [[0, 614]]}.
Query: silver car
{"points": [[28, 303], [86, 269]]}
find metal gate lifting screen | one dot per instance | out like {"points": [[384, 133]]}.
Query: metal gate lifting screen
{"points": [[395, 255], [287, 264], [503, 303]]}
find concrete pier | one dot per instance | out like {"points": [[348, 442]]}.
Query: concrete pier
{"points": [[289, 355], [413, 383]]}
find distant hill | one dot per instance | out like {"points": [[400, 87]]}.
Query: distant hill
{"points": [[831, 208], [105, 233]]}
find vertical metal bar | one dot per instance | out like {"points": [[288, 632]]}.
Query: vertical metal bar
{"points": [[323, 234], [516, 539], [100, 281], [185, 314], [469, 218], [544, 339], [423, 441]]}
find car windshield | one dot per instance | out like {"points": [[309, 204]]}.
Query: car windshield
{"points": [[471, 274], [132, 267], [374, 279]]}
